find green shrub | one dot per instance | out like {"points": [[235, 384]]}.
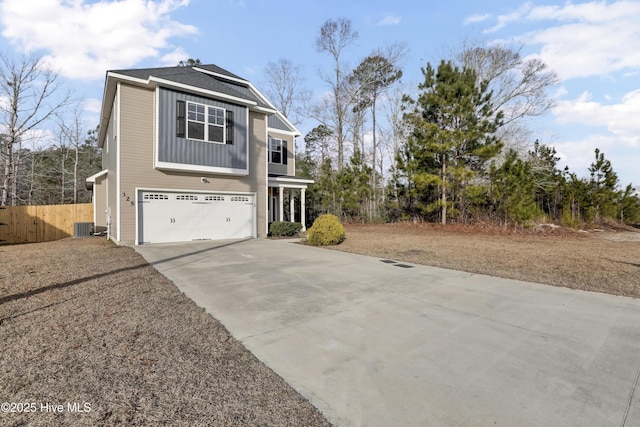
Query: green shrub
{"points": [[284, 228], [326, 230]]}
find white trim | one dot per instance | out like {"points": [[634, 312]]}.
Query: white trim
{"points": [[263, 110], [184, 167], [190, 88], [266, 176], [93, 177], [241, 81], [118, 138], [156, 130], [222, 76], [211, 93], [284, 132], [125, 77], [254, 227], [206, 122], [290, 180], [270, 151], [296, 186]]}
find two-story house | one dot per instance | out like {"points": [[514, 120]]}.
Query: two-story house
{"points": [[192, 153]]}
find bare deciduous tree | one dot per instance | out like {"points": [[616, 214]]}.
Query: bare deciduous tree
{"points": [[285, 88], [31, 96], [335, 36], [520, 86]]}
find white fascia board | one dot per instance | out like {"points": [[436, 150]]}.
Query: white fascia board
{"points": [[222, 76], [284, 132], [289, 183], [210, 93], [189, 88], [183, 167], [296, 186], [263, 110], [93, 177]]}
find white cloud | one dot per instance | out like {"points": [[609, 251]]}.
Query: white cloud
{"points": [[389, 20], [82, 40], [513, 16], [581, 40], [473, 19], [578, 155], [620, 119], [92, 105], [174, 57]]}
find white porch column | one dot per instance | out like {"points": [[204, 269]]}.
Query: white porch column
{"points": [[303, 204], [280, 205], [292, 208]]}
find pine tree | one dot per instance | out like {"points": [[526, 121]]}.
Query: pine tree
{"points": [[453, 126], [513, 190], [603, 189]]}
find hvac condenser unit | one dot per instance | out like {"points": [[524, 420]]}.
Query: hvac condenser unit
{"points": [[82, 229]]}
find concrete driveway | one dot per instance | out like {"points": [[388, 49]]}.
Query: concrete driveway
{"points": [[373, 343]]}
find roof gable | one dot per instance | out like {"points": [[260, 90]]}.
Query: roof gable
{"points": [[208, 78]]}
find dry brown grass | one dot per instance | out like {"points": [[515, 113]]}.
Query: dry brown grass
{"points": [[85, 321], [600, 261]]}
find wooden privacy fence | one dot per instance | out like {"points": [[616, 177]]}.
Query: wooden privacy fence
{"points": [[32, 224]]}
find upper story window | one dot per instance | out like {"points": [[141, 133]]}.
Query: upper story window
{"points": [[277, 151], [204, 122]]}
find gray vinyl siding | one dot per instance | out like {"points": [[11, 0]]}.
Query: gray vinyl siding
{"points": [[174, 149], [276, 123]]}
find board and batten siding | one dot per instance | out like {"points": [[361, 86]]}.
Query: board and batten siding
{"points": [[180, 150], [137, 162], [276, 123]]}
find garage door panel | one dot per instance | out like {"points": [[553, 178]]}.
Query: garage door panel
{"points": [[177, 217]]}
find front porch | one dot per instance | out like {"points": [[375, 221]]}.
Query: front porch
{"points": [[283, 188]]}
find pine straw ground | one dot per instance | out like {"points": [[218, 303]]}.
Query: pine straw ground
{"points": [[88, 322], [605, 261]]}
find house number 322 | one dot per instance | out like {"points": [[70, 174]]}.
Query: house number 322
{"points": [[127, 199]]}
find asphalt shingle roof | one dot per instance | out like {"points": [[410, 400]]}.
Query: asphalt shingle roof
{"points": [[188, 76]]}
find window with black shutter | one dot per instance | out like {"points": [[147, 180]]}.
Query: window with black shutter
{"points": [[229, 127], [284, 152], [180, 119]]}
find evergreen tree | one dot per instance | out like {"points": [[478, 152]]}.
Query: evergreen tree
{"points": [[547, 179], [629, 206], [513, 190], [453, 126], [355, 191], [603, 189]]}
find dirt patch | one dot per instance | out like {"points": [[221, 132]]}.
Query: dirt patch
{"points": [[601, 261], [83, 321]]}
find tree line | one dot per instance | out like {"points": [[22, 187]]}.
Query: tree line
{"points": [[37, 168], [456, 148]]}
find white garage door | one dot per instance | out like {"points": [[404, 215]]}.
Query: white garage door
{"points": [[180, 217]]}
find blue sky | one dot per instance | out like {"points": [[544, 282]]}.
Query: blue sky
{"points": [[594, 46]]}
